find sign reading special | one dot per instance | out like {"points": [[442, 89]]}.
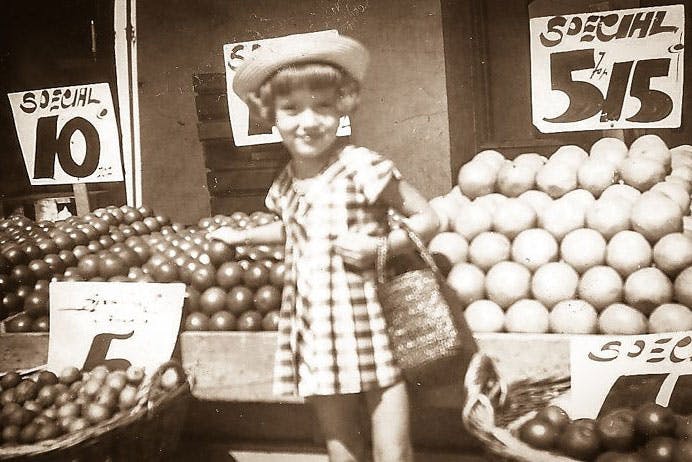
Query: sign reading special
{"points": [[68, 135], [247, 131], [608, 372], [608, 70]]}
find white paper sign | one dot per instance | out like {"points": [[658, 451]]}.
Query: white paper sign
{"points": [[598, 361], [113, 323], [68, 135], [243, 133], [608, 70]]}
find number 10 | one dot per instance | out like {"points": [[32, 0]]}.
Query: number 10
{"points": [[586, 100]]}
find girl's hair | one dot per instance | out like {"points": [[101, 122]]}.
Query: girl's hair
{"points": [[313, 76]]}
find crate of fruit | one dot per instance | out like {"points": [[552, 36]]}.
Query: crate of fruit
{"points": [[523, 423], [95, 415]]}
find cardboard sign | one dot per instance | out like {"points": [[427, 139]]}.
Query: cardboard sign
{"points": [[608, 70], [245, 131], [68, 135], [612, 371], [113, 323]]}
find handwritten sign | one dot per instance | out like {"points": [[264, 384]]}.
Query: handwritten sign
{"points": [[630, 368], [68, 135], [246, 131], [113, 323], [608, 70]]}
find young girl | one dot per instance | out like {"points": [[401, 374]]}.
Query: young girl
{"points": [[333, 201]]}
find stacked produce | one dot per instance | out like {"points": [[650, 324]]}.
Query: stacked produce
{"points": [[46, 405], [575, 243], [650, 433], [227, 288]]}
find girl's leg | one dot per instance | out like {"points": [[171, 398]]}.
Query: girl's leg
{"points": [[339, 420], [389, 411]]}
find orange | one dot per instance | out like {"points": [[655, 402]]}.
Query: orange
{"points": [[532, 160], [556, 178], [560, 217], [451, 245], [494, 158], [534, 248], [642, 173], [573, 317], [570, 154], [621, 319], [621, 192], [489, 248], [647, 288], [490, 202], [596, 175], [654, 215], [468, 281], [580, 198], [627, 252], [651, 147], [608, 149], [675, 192], [512, 217], [472, 220], [507, 282], [683, 287], [528, 316], [484, 316], [673, 253], [477, 178], [670, 317], [514, 179], [583, 248], [538, 200], [601, 286], [554, 282], [608, 217]]}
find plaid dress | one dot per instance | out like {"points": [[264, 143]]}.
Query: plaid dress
{"points": [[331, 333]]}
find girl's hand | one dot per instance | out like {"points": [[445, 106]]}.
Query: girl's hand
{"points": [[357, 249], [228, 235]]}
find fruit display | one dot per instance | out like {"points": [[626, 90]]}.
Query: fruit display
{"points": [[649, 433], [227, 288], [577, 243]]}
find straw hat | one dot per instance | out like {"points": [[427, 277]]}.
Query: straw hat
{"points": [[339, 50]]}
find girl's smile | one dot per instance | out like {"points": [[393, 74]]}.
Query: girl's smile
{"points": [[307, 121]]}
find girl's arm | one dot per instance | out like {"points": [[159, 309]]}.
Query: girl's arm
{"points": [[271, 233]]}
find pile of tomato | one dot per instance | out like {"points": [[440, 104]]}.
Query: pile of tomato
{"points": [[650, 433]]}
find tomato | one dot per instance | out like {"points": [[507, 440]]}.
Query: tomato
{"points": [[23, 276], [79, 237], [4, 265], [117, 236], [578, 441], [659, 449], [94, 246], [11, 303], [222, 320], [267, 298], [10, 380], [88, 266], [191, 301], [239, 299], [555, 415], [683, 427], [197, 321], [142, 250], [68, 257], [36, 303], [538, 434], [111, 265], [91, 232], [653, 420], [270, 321], [41, 324], [212, 300], [256, 275], [6, 284], [683, 451], [41, 285], [130, 257], [19, 323], [80, 252], [219, 252], [56, 264], [277, 273], [23, 292], [229, 274], [132, 215], [106, 241], [203, 277], [63, 241], [165, 272], [15, 255], [47, 246], [32, 251], [616, 429], [139, 228], [151, 224], [250, 320]]}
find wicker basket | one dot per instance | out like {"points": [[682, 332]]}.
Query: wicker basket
{"points": [[493, 413], [149, 431]]}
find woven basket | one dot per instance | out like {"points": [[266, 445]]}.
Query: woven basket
{"points": [[494, 413], [149, 431]]}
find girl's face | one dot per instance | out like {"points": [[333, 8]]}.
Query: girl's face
{"points": [[307, 121]]}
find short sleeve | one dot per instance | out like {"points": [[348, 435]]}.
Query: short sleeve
{"points": [[276, 191], [372, 172]]}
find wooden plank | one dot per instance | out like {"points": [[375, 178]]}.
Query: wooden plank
{"points": [[212, 106], [214, 129], [213, 82], [81, 198]]}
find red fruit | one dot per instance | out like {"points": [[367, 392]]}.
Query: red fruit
{"points": [[659, 449], [270, 321], [10, 380], [239, 299], [111, 265], [229, 274], [212, 300], [41, 324], [219, 252], [11, 303], [197, 321], [191, 301], [267, 298], [22, 275], [250, 320], [277, 273], [653, 420], [222, 321], [683, 427], [88, 266], [57, 266], [616, 429], [67, 256], [203, 277], [538, 434], [19, 323], [36, 303], [130, 257], [555, 415], [256, 275], [165, 272], [683, 451], [579, 441]]}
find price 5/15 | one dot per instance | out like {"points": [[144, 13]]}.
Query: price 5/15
{"points": [[586, 100]]}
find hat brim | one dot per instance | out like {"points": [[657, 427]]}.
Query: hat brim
{"points": [[344, 52]]}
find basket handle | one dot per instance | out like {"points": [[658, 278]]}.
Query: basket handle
{"points": [[382, 251]]}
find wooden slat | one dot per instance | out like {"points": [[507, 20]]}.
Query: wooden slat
{"points": [[212, 106], [214, 129], [214, 82]]}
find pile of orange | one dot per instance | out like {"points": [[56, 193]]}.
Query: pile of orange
{"points": [[577, 242]]}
